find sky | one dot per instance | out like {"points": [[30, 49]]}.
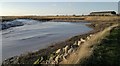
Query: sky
{"points": [[54, 8], [59, 0]]}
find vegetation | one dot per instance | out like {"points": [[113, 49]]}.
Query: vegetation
{"points": [[107, 53]]}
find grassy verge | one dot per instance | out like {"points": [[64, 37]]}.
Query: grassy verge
{"points": [[107, 53]]}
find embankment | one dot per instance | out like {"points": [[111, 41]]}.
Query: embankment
{"points": [[87, 48], [107, 52]]}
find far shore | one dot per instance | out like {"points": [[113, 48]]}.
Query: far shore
{"points": [[69, 18]]}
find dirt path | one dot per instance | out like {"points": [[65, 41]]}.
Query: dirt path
{"points": [[86, 49]]}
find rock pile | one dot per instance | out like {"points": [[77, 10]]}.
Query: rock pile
{"points": [[62, 53]]}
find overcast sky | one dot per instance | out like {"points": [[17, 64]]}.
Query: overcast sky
{"points": [[54, 8], [60, 0]]}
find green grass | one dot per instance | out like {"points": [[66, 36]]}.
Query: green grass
{"points": [[107, 53]]}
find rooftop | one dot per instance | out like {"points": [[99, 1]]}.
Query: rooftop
{"points": [[104, 12]]}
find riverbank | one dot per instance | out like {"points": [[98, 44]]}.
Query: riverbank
{"points": [[107, 52], [34, 56], [86, 49]]}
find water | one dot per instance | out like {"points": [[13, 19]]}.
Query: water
{"points": [[34, 35]]}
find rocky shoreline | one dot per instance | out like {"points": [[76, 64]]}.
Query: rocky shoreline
{"points": [[43, 56]]}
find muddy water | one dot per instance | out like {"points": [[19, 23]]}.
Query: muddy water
{"points": [[37, 35]]}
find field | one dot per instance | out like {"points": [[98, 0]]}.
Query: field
{"points": [[70, 18]]}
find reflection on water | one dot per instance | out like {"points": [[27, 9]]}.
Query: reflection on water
{"points": [[33, 36]]}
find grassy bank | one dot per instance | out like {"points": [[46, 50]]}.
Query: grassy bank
{"points": [[106, 53]]}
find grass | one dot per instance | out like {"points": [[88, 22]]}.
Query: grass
{"points": [[107, 53]]}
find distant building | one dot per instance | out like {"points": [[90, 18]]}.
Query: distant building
{"points": [[103, 13]]}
